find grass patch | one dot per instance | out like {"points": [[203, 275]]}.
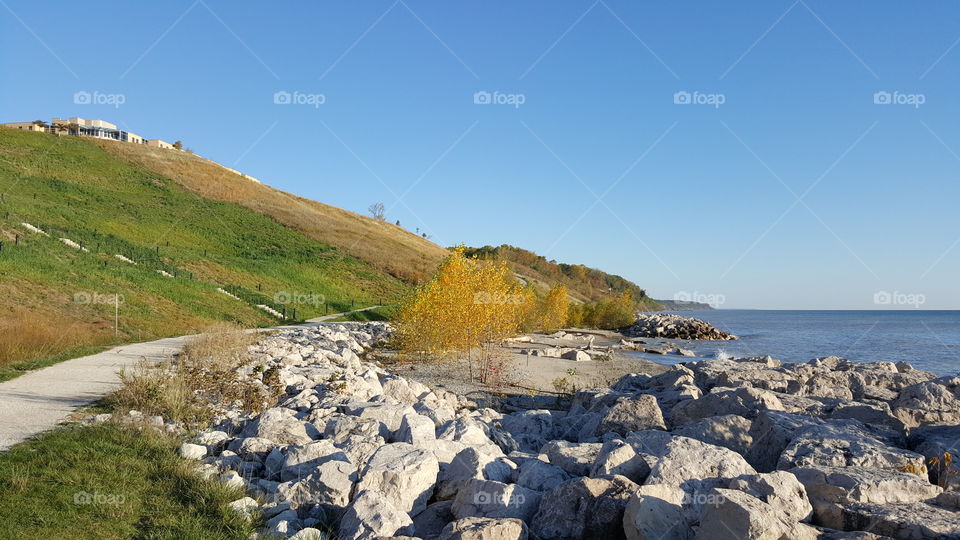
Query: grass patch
{"points": [[186, 388], [145, 490]]}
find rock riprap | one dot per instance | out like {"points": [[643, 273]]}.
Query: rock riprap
{"points": [[663, 325], [750, 448]]}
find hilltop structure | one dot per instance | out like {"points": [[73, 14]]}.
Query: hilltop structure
{"points": [[82, 127]]}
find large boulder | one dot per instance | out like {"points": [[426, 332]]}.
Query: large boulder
{"points": [[487, 498], [931, 402], [531, 429], [693, 465], [746, 402], [372, 515], [619, 457], [908, 521], [632, 414], [479, 528], [584, 508], [861, 485], [729, 431], [467, 465], [301, 461], [779, 489], [329, 485], [279, 425], [655, 512], [845, 443], [403, 474], [574, 458], [735, 515], [539, 475]]}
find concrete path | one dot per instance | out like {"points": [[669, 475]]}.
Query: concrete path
{"points": [[37, 401], [335, 315]]}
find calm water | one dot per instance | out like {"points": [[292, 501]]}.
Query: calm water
{"points": [[930, 340]]}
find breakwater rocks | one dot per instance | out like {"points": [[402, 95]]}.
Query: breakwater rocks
{"points": [[716, 449], [661, 325]]}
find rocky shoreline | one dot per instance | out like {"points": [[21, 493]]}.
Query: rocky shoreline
{"points": [[746, 448], [665, 325]]}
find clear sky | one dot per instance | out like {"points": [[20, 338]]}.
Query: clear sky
{"points": [[783, 184]]}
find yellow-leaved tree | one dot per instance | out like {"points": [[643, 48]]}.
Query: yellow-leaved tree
{"points": [[555, 310], [467, 304]]}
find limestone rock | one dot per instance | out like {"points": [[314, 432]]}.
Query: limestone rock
{"points": [[403, 474], [574, 458], [279, 425], [372, 515], [861, 485], [583, 508], [655, 512], [618, 457], [633, 414], [486, 498], [480, 528], [735, 515], [779, 489]]}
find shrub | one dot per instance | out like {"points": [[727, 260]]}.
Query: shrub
{"points": [[607, 314], [185, 388], [555, 310], [467, 304]]}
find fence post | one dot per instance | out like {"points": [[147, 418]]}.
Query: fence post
{"points": [[16, 241], [294, 317], [284, 312]]}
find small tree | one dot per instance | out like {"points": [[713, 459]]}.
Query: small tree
{"points": [[556, 307], [178, 145], [377, 211]]}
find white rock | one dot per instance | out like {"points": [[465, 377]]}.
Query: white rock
{"points": [[486, 498], [246, 507], [735, 515], [479, 528], [655, 512], [372, 515], [403, 474], [417, 430], [574, 458], [779, 489], [860, 485], [192, 451], [583, 508]]}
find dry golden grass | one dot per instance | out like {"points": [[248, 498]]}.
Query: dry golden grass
{"points": [[386, 246], [28, 335], [184, 388]]}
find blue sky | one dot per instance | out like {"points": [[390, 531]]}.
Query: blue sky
{"points": [[796, 191]]}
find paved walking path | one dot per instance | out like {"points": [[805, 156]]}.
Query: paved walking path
{"points": [[37, 401]]}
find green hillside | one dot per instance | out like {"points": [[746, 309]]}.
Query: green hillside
{"points": [[74, 189], [584, 284]]}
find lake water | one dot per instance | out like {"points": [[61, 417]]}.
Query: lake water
{"points": [[930, 340]]}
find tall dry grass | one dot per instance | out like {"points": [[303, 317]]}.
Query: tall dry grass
{"points": [[26, 335], [186, 388]]}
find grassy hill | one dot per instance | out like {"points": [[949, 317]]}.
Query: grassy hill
{"points": [[191, 230], [583, 283], [86, 192]]}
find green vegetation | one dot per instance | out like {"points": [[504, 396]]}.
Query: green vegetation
{"points": [[584, 284], [73, 188], [111, 481]]}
